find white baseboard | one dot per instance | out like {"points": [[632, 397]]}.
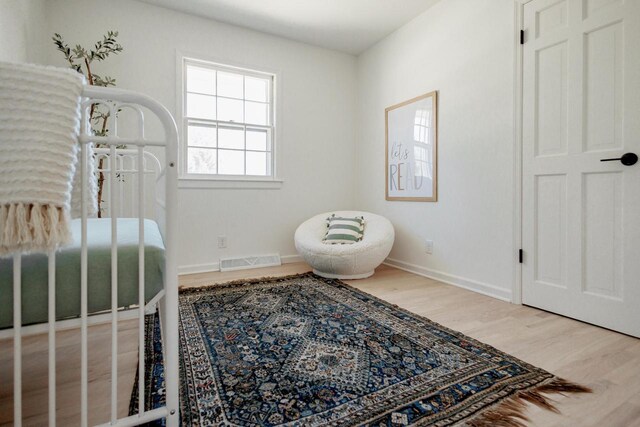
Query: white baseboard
{"points": [[198, 268], [214, 266], [469, 284], [290, 259]]}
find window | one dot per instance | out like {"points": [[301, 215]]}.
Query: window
{"points": [[228, 122]]}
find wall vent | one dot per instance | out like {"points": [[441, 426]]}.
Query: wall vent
{"points": [[243, 263]]}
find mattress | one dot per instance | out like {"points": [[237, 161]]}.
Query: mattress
{"points": [[35, 275]]}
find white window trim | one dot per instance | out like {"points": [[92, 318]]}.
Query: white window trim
{"points": [[203, 181]]}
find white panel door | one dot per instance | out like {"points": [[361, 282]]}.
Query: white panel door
{"points": [[581, 216]]}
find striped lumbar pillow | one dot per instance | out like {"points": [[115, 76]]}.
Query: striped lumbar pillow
{"points": [[343, 230]]}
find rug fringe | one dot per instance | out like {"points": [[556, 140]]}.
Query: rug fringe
{"points": [[238, 282], [511, 411]]}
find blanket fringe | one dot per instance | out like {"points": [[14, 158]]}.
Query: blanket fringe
{"points": [[26, 227], [511, 411]]}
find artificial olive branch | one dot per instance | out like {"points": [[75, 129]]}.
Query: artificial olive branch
{"points": [[79, 56]]}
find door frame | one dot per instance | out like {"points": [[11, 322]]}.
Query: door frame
{"points": [[518, 104]]}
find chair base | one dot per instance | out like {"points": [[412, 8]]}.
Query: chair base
{"points": [[343, 276]]}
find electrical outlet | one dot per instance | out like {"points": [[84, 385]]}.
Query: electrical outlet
{"points": [[428, 246], [222, 242]]}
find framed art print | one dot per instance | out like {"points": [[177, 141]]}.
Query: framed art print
{"points": [[411, 146]]}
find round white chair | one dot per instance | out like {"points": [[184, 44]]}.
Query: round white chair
{"points": [[348, 261]]}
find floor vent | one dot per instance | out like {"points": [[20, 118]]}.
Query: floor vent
{"points": [[243, 263]]}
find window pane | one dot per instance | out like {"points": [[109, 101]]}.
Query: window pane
{"points": [[256, 89], [201, 160], [256, 163], [201, 80], [231, 162], [257, 139], [204, 136], [229, 120], [201, 106], [230, 110], [255, 113], [230, 137], [230, 85]]}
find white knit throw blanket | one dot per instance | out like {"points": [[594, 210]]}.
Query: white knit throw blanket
{"points": [[39, 124]]}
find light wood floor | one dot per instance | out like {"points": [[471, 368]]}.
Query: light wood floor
{"points": [[604, 360]]}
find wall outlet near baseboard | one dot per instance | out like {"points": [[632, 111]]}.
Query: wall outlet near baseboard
{"points": [[222, 242], [428, 246]]}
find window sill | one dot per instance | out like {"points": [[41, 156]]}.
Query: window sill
{"points": [[235, 183]]}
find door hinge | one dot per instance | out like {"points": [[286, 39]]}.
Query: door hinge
{"points": [[520, 256], [521, 36]]}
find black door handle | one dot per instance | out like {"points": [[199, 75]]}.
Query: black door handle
{"points": [[627, 159]]}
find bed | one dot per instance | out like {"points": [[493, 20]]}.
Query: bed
{"points": [[35, 272], [35, 301]]}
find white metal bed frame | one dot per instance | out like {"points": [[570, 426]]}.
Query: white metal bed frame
{"points": [[166, 203], [126, 166]]}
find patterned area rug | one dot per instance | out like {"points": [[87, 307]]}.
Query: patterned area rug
{"points": [[303, 350]]}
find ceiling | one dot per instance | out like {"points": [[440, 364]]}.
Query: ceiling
{"points": [[346, 25]]}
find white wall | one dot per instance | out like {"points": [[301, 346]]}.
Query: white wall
{"points": [[22, 35], [465, 50], [317, 111], [332, 107]]}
